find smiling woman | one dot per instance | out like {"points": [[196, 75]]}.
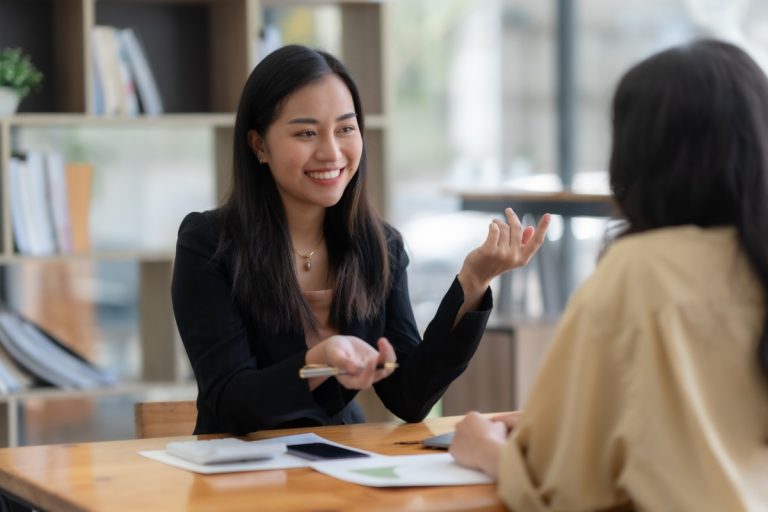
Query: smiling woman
{"points": [[296, 269], [313, 149]]}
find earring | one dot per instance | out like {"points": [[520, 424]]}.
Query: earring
{"points": [[260, 158]]}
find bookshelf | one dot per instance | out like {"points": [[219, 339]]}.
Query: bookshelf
{"points": [[201, 52]]}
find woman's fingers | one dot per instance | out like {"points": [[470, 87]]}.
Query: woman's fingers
{"points": [[510, 419], [386, 352], [386, 355], [359, 361], [504, 233], [354, 357], [527, 233], [507, 246], [515, 226], [477, 443], [537, 237], [492, 240], [362, 378]]}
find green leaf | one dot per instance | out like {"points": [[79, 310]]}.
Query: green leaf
{"points": [[18, 72]]}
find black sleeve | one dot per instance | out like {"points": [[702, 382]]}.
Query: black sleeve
{"points": [[237, 393], [427, 367]]}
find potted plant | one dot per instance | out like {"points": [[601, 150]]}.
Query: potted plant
{"points": [[18, 77]]}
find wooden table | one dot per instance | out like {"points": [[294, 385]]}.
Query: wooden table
{"points": [[111, 476], [565, 202]]}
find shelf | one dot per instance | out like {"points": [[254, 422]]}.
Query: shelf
{"points": [[200, 53], [12, 405], [223, 120], [139, 256], [315, 3], [127, 388]]}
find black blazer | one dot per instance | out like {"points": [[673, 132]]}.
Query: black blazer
{"points": [[248, 379]]}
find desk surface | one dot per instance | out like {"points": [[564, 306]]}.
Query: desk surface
{"points": [[564, 202], [530, 195], [112, 476]]}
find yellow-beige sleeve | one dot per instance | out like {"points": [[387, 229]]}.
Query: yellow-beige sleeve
{"points": [[568, 451]]}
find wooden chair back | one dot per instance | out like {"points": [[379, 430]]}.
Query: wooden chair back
{"points": [[164, 419]]}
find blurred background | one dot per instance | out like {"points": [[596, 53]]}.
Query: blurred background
{"points": [[486, 95], [516, 94]]}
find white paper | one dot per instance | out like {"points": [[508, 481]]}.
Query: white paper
{"points": [[283, 461], [403, 471]]}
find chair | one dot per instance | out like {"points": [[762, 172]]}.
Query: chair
{"points": [[164, 419]]}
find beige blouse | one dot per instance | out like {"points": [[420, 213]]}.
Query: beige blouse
{"points": [[320, 304], [650, 391]]}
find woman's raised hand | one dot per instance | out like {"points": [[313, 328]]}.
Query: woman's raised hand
{"points": [[507, 246]]}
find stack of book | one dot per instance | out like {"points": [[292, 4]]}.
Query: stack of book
{"points": [[123, 82], [50, 203], [30, 356]]}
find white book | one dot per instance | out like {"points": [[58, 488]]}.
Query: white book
{"points": [[56, 175], [80, 374], [27, 354], [41, 227], [97, 99], [144, 80], [8, 382], [45, 358], [105, 53], [127, 80], [17, 378], [19, 202]]}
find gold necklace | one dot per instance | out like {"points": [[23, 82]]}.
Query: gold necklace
{"points": [[308, 257]]}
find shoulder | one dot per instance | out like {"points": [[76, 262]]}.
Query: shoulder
{"points": [[395, 244], [689, 252], [195, 221], [201, 230], [663, 267], [391, 235]]}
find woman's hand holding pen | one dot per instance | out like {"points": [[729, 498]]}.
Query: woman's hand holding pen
{"points": [[507, 246], [355, 358]]}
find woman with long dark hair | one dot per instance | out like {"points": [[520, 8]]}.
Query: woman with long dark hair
{"points": [[654, 394], [296, 269]]}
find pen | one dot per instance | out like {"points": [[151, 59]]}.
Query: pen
{"points": [[322, 370]]}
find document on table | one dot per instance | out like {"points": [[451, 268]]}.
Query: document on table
{"points": [[282, 461], [375, 471], [403, 471]]}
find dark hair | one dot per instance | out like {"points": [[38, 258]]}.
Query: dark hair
{"points": [[690, 146], [255, 228]]}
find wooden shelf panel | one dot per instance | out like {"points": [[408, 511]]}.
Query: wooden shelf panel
{"points": [[315, 3], [140, 256], [127, 388], [170, 120], [215, 120]]}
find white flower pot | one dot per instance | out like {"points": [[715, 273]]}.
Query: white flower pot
{"points": [[9, 100]]}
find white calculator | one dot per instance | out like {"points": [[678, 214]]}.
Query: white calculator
{"points": [[228, 449]]}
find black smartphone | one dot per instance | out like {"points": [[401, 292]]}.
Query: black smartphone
{"points": [[322, 451]]}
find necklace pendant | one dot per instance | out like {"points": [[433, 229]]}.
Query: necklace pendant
{"points": [[307, 265]]}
